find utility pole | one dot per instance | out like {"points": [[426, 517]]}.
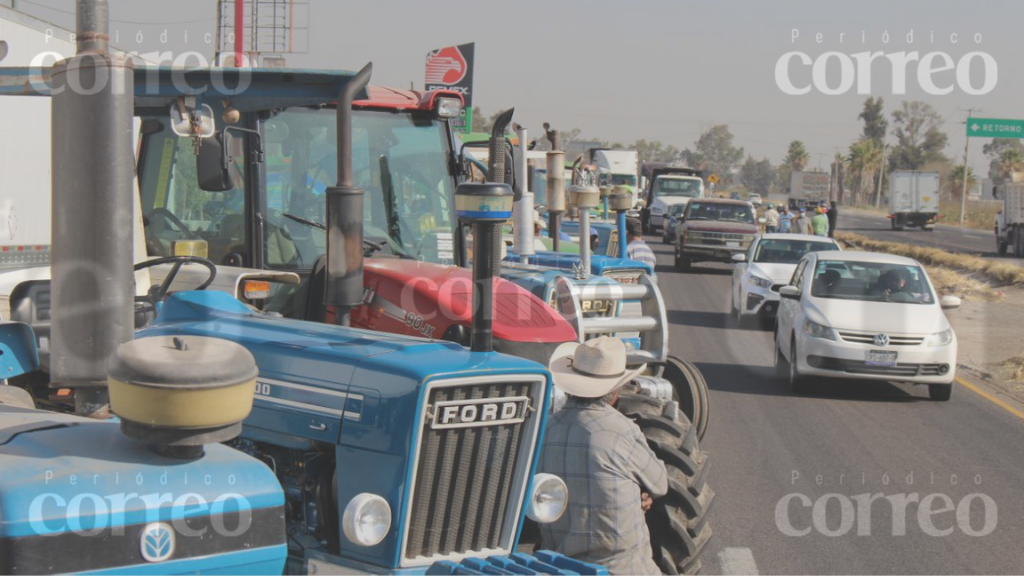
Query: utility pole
{"points": [[881, 172], [966, 171]]}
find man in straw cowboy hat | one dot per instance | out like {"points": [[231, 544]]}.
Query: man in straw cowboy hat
{"points": [[604, 459]]}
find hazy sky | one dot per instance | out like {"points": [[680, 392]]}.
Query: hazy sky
{"points": [[623, 70]]}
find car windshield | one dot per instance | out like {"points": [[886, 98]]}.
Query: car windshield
{"points": [[717, 211], [778, 251], [691, 188], [871, 281]]}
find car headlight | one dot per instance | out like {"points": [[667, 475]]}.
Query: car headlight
{"points": [[657, 210], [549, 499], [367, 519], [816, 330], [939, 338], [758, 281]]}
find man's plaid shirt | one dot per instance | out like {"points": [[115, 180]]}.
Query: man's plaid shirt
{"points": [[606, 463]]}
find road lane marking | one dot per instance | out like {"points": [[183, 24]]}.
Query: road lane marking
{"points": [[998, 402], [737, 561]]}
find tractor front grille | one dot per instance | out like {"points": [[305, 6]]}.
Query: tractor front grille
{"points": [[471, 472]]}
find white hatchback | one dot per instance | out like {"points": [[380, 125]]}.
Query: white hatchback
{"points": [[865, 315], [766, 267]]}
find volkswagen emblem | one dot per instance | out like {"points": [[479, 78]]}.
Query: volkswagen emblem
{"points": [[881, 339], [157, 542]]}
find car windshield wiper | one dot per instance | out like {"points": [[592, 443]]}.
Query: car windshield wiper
{"points": [[305, 221]]}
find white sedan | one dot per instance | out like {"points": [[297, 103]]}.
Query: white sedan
{"points": [[867, 316], [767, 266]]}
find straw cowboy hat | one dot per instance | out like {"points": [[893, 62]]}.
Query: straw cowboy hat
{"points": [[592, 369]]}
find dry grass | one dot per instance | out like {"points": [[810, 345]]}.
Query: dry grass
{"points": [[980, 215], [1015, 367], [948, 281], [996, 273]]}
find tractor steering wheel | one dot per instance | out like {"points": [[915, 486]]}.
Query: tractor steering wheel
{"points": [[159, 293]]}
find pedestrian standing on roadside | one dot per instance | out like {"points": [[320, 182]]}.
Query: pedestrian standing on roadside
{"points": [[611, 474], [785, 220], [637, 249], [833, 219], [771, 220], [819, 224], [802, 224]]}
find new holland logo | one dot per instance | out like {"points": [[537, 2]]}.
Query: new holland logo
{"points": [[157, 542], [446, 66], [479, 412], [881, 339]]}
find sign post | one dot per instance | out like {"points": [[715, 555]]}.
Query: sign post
{"points": [[451, 68]]}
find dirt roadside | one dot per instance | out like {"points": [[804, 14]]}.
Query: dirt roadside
{"points": [[991, 347]]}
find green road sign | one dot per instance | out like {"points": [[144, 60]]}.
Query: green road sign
{"points": [[995, 128]]}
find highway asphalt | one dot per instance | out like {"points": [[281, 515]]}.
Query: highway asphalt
{"points": [[951, 238], [826, 455]]}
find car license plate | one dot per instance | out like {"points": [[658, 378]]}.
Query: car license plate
{"points": [[732, 244], [880, 358]]}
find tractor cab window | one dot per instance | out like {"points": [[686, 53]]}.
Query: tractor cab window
{"points": [[175, 208], [402, 163]]}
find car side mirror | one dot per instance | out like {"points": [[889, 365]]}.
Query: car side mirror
{"points": [[740, 257], [790, 292], [950, 302], [213, 167]]}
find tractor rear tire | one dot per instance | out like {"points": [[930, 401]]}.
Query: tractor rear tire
{"points": [[679, 522], [691, 391]]}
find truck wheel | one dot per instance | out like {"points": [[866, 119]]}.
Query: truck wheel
{"points": [[679, 521], [781, 365], [1000, 245], [940, 392], [1018, 242]]}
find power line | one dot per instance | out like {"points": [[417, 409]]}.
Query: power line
{"points": [[136, 22]]}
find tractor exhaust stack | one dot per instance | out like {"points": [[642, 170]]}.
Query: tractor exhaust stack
{"points": [[93, 162], [345, 213]]}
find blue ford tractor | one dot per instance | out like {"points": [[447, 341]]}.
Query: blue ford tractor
{"points": [[210, 436]]}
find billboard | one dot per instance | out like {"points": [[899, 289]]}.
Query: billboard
{"points": [[451, 68]]}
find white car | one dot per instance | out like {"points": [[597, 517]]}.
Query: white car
{"points": [[754, 199], [868, 316], [767, 266]]}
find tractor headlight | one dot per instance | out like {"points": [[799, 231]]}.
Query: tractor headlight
{"points": [[939, 338], [549, 499], [816, 330], [367, 519], [758, 281], [448, 107]]}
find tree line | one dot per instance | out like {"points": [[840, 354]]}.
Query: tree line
{"points": [[918, 143]]}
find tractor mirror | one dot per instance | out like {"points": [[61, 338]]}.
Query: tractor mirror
{"points": [[214, 165]]}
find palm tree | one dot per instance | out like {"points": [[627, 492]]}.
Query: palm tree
{"points": [[956, 180], [797, 157], [1010, 161], [865, 160]]}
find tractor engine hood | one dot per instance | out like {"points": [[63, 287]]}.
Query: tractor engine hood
{"points": [[390, 406], [431, 298]]}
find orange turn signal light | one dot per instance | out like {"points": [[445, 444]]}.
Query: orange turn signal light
{"points": [[256, 289]]}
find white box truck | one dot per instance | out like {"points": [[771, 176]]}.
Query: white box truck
{"points": [[1010, 220], [616, 168], [913, 199]]}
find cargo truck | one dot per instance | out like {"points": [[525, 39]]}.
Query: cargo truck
{"points": [[808, 189], [914, 199], [1010, 220], [616, 168]]}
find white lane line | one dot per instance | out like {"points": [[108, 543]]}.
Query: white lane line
{"points": [[978, 236], [737, 561]]}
